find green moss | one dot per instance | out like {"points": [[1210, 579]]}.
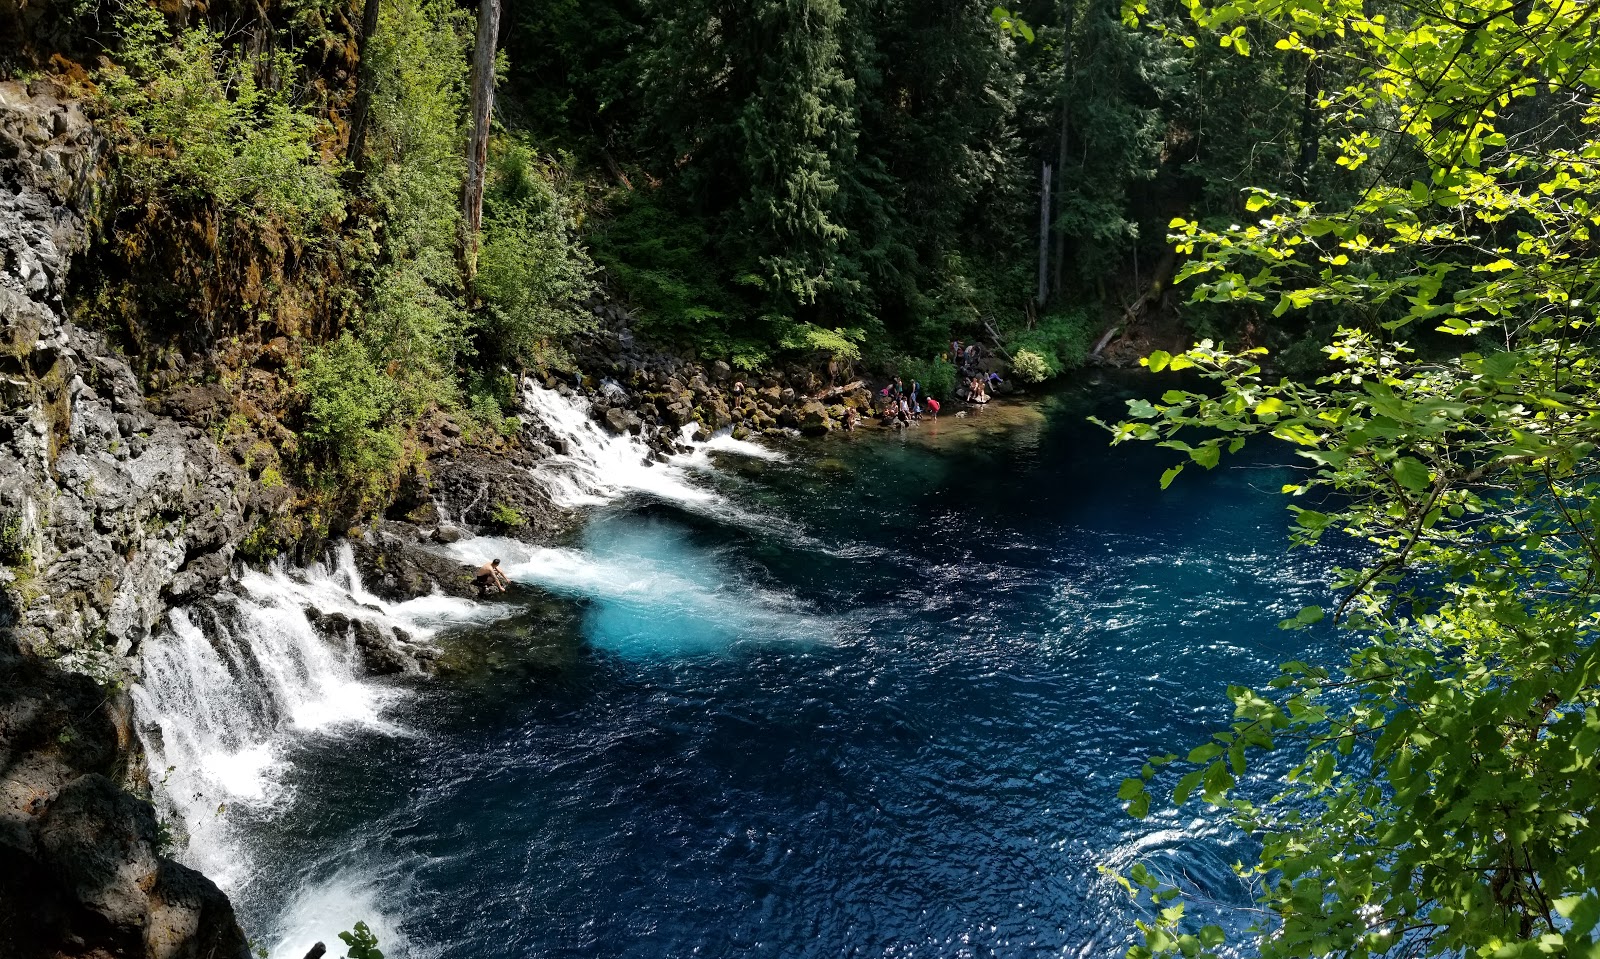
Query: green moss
{"points": [[506, 517]]}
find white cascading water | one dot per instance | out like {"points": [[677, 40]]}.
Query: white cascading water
{"points": [[599, 466], [227, 686], [722, 442]]}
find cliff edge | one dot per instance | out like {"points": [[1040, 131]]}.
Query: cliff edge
{"points": [[106, 511]]}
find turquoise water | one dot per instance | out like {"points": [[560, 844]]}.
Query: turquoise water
{"points": [[874, 700]]}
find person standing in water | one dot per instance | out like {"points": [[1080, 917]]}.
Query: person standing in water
{"points": [[489, 579]]}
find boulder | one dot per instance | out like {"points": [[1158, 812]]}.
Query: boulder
{"points": [[621, 420], [814, 419]]}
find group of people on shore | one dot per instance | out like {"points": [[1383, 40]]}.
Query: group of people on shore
{"points": [[974, 381], [901, 406]]}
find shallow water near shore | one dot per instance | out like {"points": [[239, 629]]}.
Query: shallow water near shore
{"points": [[879, 705]]}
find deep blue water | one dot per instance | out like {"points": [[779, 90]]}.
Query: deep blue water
{"points": [[878, 703]]}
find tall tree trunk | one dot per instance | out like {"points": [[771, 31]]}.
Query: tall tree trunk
{"points": [[1044, 237], [1061, 153], [1310, 116], [482, 109], [363, 107]]}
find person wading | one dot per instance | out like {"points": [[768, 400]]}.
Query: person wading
{"points": [[489, 579]]}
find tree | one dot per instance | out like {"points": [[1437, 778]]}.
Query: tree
{"points": [[483, 77], [363, 106], [1441, 784]]}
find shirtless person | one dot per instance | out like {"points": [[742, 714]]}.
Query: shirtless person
{"points": [[489, 579]]}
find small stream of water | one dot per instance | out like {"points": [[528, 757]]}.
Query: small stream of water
{"points": [[864, 696]]}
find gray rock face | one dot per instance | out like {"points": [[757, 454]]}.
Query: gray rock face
{"points": [[111, 508], [81, 870], [106, 510]]}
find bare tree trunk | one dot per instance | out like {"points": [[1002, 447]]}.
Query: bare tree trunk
{"points": [[1044, 237], [1061, 155], [363, 107], [482, 109]]}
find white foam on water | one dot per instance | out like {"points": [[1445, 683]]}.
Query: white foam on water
{"points": [[600, 467], [320, 911], [653, 593], [699, 456]]}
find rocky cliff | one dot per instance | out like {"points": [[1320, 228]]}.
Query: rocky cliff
{"points": [[107, 511], [108, 508]]}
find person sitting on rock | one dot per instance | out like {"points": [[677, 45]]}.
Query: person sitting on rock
{"points": [[489, 579]]}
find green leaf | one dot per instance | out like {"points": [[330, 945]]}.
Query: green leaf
{"points": [[1186, 787], [1207, 456], [1157, 360], [1410, 473], [1170, 475]]}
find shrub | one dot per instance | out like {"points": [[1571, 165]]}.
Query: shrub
{"points": [[13, 540], [533, 272], [1030, 367], [1060, 340], [841, 344], [350, 406], [195, 121], [506, 517], [363, 943], [488, 398]]}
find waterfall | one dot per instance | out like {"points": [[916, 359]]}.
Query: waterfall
{"points": [[721, 442], [598, 466], [229, 684], [230, 687]]}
